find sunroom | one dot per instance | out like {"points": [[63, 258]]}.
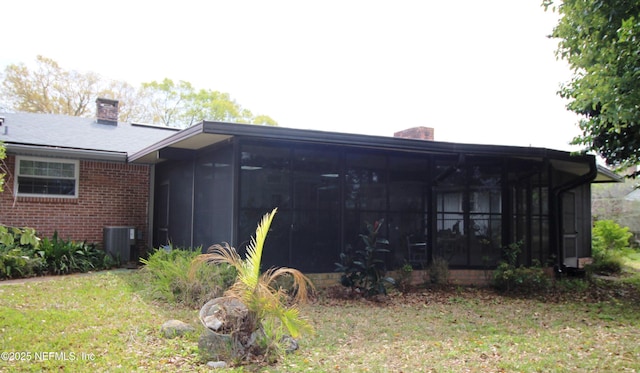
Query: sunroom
{"points": [[460, 202]]}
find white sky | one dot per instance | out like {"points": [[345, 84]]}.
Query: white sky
{"points": [[476, 71]]}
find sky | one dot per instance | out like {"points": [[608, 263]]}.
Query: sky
{"points": [[476, 71]]}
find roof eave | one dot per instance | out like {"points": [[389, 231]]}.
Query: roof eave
{"points": [[57, 152]]}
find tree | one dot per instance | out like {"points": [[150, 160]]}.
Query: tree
{"points": [[180, 105], [53, 90], [50, 89], [601, 42]]}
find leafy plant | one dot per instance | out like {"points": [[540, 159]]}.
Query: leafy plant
{"points": [[23, 237], [67, 256], [609, 242], [508, 276], [268, 305], [17, 249], [609, 236], [404, 274], [363, 270], [175, 276], [439, 271]]}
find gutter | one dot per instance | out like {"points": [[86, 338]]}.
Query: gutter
{"points": [[35, 150], [556, 198]]}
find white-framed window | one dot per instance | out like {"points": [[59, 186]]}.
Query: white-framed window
{"points": [[46, 177]]}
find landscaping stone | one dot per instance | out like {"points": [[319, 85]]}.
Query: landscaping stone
{"points": [[290, 344], [217, 347], [176, 328], [225, 315], [217, 364]]}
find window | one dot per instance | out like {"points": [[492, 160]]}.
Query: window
{"points": [[46, 177]]}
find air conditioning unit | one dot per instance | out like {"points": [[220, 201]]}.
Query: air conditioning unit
{"points": [[120, 242]]}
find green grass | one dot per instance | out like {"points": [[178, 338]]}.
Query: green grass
{"points": [[99, 315], [456, 329]]}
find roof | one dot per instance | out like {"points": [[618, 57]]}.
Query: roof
{"points": [[62, 135], [205, 134]]}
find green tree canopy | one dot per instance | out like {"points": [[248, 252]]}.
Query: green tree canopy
{"points": [[181, 105], [600, 39], [50, 89]]}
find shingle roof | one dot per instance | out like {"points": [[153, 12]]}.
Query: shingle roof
{"points": [[61, 131]]}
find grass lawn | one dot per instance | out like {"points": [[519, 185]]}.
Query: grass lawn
{"points": [[103, 323]]}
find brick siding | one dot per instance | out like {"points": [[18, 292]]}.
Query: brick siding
{"points": [[109, 194]]}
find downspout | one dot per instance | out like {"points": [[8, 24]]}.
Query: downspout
{"points": [[556, 194]]}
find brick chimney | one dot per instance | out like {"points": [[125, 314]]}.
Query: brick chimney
{"points": [[107, 111], [417, 133]]}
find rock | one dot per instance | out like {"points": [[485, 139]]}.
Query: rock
{"points": [[176, 328], [217, 364], [289, 343], [226, 315], [218, 347]]}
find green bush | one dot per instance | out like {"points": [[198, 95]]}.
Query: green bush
{"points": [[610, 242], [609, 236], [508, 276], [23, 254], [176, 277], [362, 269], [18, 253], [66, 256]]}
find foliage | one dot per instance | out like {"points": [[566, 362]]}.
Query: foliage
{"points": [[269, 307], [609, 240], [48, 88], [181, 105], [67, 256], [439, 271], [601, 42], [362, 269], [609, 236], [508, 276], [404, 274], [175, 276], [17, 249], [23, 254]]}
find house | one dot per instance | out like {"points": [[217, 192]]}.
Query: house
{"points": [[213, 182], [72, 175]]}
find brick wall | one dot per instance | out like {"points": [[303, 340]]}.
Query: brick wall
{"points": [[109, 194]]}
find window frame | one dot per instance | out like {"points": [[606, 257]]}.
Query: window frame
{"points": [[18, 175]]}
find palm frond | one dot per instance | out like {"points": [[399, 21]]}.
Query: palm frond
{"points": [[254, 251], [302, 285]]}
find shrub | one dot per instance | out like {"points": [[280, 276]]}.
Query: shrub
{"points": [[66, 256], [175, 276], [362, 269], [508, 276], [609, 243], [403, 280], [605, 263], [23, 254], [17, 253], [439, 271], [609, 236]]}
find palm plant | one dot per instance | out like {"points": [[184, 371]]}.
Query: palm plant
{"points": [[268, 304]]}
